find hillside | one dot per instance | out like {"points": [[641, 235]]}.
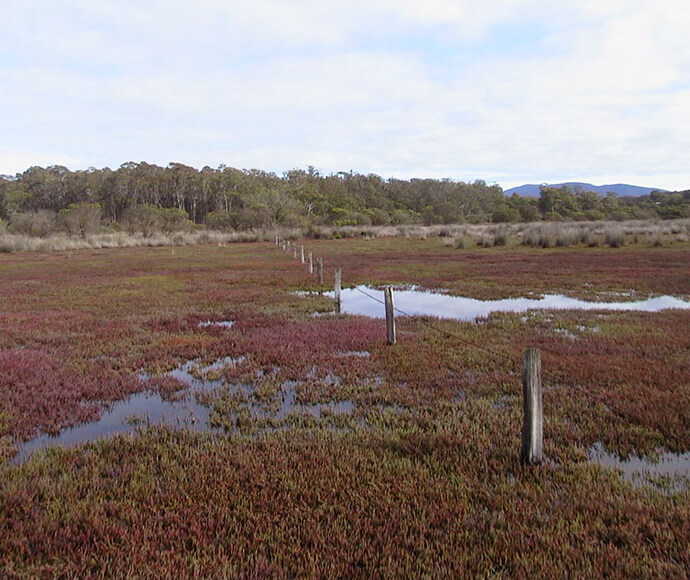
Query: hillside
{"points": [[620, 189]]}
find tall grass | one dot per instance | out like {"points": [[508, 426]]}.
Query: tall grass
{"points": [[461, 236]]}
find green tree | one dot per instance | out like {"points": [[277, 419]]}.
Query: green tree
{"points": [[80, 218], [504, 213], [224, 221], [143, 218], [557, 201], [172, 219]]}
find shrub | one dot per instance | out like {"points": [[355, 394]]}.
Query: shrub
{"points": [[225, 221], [38, 224], [80, 218], [142, 218], [172, 220], [464, 242], [615, 237], [504, 213], [567, 236], [540, 236], [379, 217], [500, 236]]}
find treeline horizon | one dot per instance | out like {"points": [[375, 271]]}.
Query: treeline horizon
{"points": [[144, 197]]}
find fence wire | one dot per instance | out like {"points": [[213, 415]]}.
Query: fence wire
{"points": [[518, 367]]}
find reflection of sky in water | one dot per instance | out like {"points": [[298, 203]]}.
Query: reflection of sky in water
{"points": [[154, 410], [414, 302], [149, 406], [669, 464]]}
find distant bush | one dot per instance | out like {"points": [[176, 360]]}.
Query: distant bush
{"points": [[540, 236], [172, 220], [464, 242], [615, 237], [224, 221], [142, 218], [504, 213], [501, 236], [379, 217], [80, 219], [37, 224]]}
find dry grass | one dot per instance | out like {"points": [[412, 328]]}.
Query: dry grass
{"points": [[461, 236]]}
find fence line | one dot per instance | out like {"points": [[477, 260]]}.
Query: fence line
{"points": [[580, 389]]}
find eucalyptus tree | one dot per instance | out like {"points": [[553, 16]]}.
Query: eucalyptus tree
{"points": [[80, 218]]}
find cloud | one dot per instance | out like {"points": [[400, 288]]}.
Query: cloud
{"points": [[505, 91]]}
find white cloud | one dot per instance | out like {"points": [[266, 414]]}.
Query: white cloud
{"points": [[398, 88]]}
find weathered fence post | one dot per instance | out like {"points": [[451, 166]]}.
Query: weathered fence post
{"points": [[533, 422], [311, 264], [294, 253], [319, 269], [390, 314], [301, 254], [338, 283]]}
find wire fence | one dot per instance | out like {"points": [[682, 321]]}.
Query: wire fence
{"points": [[517, 367]]}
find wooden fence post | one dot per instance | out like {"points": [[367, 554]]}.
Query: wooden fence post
{"points": [[311, 264], [319, 269], [301, 254], [338, 283], [390, 314], [533, 421], [294, 253]]}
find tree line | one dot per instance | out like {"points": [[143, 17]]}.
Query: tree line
{"points": [[142, 197]]}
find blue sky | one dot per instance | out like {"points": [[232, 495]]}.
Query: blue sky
{"points": [[509, 91]]}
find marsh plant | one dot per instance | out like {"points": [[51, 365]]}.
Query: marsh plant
{"points": [[336, 455]]}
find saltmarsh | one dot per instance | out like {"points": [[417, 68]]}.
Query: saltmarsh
{"points": [[410, 467]]}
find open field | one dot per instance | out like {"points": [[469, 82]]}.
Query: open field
{"points": [[332, 454]]}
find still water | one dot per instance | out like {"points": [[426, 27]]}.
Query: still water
{"points": [[364, 301], [674, 466], [147, 407]]}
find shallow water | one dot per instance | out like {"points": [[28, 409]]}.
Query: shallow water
{"points": [[636, 469], [151, 409], [219, 323], [423, 303], [289, 404], [147, 407]]}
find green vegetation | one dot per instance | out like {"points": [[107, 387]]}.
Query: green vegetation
{"points": [[230, 199], [411, 469]]}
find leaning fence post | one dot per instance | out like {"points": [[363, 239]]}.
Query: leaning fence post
{"points": [[311, 264], [533, 421], [390, 315], [338, 283], [301, 254], [319, 269]]}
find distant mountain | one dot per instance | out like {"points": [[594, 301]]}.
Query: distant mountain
{"points": [[620, 189]]}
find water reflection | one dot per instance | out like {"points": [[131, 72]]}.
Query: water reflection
{"points": [[422, 303], [147, 407], [151, 409], [636, 469]]}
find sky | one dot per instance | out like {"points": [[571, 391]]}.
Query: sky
{"points": [[507, 91]]}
